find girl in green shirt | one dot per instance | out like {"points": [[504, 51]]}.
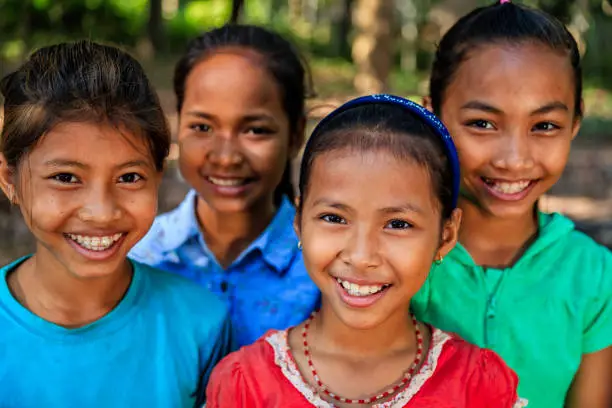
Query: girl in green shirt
{"points": [[507, 83]]}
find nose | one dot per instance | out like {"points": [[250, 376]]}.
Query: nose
{"points": [[514, 153], [225, 150], [100, 206], [362, 249]]}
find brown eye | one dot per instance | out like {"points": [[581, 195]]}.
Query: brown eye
{"points": [[65, 178], [333, 219], [399, 224], [130, 178]]}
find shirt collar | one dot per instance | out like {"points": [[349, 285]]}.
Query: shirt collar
{"points": [[277, 244]]}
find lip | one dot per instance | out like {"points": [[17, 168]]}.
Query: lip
{"points": [[509, 197], [361, 282], [358, 302], [96, 255], [229, 191]]}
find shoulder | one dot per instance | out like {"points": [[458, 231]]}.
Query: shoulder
{"points": [[489, 380], [241, 374], [184, 297], [564, 235], [168, 232]]}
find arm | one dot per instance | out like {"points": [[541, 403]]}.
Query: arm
{"points": [[493, 384], [222, 347], [228, 388], [591, 387]]}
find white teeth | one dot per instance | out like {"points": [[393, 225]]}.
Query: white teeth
{"points": [[359, 290], [507, 187], [226, 182], [95, 243]]}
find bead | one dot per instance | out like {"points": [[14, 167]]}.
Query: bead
{"points": [[405, 378]]}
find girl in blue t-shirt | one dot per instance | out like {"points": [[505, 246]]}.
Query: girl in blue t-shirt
{"points": [[81, 155], [240, 92]]}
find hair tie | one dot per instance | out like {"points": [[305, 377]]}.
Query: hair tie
{"points": [[504, 1], [429, 118]]}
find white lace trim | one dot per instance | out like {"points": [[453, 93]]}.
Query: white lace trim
{"points": [[282, 358], [521, 403]]}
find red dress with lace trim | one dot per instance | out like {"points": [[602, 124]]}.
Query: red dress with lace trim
{"points": [[455, 375]]}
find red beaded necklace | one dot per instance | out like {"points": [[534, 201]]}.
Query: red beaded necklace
{"points": [[403, 382]]}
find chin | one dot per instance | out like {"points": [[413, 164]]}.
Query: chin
{"points": [[511, 211], [358, 319]]}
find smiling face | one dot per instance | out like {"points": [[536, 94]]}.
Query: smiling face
{"points": [[511, 113], [234, 133], [370, 236], [88, 193]]}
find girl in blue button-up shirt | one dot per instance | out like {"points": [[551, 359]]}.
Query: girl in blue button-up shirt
{"points": [[240, 92]]}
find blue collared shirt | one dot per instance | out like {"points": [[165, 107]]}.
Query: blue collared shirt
{"points": [[266, 287]]}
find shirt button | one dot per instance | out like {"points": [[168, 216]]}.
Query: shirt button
{"points": [[224, 286]]}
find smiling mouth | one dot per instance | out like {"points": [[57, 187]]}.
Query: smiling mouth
{"points": [[361, 290], [508, 187], [95, 243], [228, 182]]}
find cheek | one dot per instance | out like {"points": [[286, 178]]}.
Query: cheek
{"points": [[46, 211], [192, 154], [555, 156], [267, 158], [319, 248], [141, 206]]}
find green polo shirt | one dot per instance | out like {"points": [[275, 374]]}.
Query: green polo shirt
{"points": [[540, 316]]}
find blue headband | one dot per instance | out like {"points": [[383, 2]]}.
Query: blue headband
{"points": [[421, 112]]}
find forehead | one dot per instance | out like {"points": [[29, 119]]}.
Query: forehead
{"points": [[370, 179], [513, 75], [90, 143], [232, 78]]}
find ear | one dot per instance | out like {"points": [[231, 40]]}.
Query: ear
{"points": [[7, 180], [427, 103], [297, 138], [450, 234], [578, 121], [296, 219]]}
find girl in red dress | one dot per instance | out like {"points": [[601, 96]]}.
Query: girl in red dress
{"points": [[378, 189]]}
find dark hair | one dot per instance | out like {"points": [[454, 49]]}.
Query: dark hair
{"points": [[383, 126], [281, 59], [500, 23], [80, 81]]}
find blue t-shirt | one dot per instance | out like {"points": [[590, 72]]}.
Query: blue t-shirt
{"points": [[266, 287], [153, 350]]}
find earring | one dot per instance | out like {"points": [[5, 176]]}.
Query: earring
{"points": [[299, 244], [439, 260]]}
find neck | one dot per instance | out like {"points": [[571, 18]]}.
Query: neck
{"points": [[228, 234], [48, 289], [394, 334], [494, 241]]}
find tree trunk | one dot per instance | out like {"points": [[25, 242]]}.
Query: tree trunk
{"points": [[156, 26], [237, 11], [341, 28], [373, 46]]}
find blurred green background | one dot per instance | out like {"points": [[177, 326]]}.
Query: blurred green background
{"points": [[353, 47]]}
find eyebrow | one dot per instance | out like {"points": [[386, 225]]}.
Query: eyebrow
{"points": [[246, 118], [74, 163], [550, 107], [478, 105], [407, 207], [482, 106]]}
